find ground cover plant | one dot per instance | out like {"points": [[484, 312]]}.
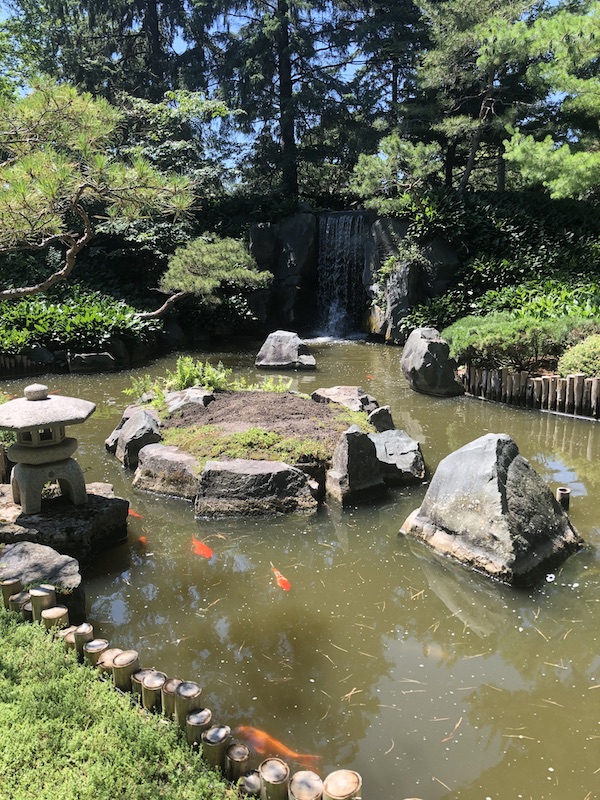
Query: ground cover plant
{"points": [[69, 735]]}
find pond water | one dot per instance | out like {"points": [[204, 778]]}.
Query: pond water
{"points": [[431, 681]]}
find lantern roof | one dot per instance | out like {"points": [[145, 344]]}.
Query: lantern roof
{"points": [[39, 409]]}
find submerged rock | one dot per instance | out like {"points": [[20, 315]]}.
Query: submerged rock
{"points": [[427, 365], [400, 457], [285, 350], [249, 488], [487, 507], [355, 476]]}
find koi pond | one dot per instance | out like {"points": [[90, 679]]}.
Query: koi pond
{"points": [[429, 680]]}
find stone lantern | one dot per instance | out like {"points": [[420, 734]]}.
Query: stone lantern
{"points": [[42, 452]]}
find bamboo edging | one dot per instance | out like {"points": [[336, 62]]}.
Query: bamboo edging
{"points": [[574, 395]]}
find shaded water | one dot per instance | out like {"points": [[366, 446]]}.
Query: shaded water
{"points": [[429, 680]]}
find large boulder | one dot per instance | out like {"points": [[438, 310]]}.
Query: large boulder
{"points": [[487, 507], [167, 470], [427, 365], [246, 487], [353, 397], [77, 531], [37, 563], [284, 350], [355, 475], [399, 456], [140, 429]]}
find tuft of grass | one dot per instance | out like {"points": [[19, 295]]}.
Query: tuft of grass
{"points": [[70, 735]]}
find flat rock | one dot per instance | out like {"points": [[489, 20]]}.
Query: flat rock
{"points": [[77, 531], [487, 507], [167, 470], [247, 487], [196, 396], [400, 457], [353, 397], [427, 365], [37, 563], [285, 350]]}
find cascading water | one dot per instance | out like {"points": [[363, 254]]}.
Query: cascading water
{"points": [[341, 297]]}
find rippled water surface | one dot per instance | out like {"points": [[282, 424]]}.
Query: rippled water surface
{"points": [[429, 680]]}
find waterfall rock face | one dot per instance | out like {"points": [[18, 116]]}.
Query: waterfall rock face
{"points": [[427, 365], [487, 507], [285, 350]]}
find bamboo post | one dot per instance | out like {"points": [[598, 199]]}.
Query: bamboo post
{"points": [[343, 784], [274, 779], [494, 384], [167, 696], [595, 398], [83, 633], [504, 385], [578, 386], [305, 785], [55, 617], [249, 784], [16, 601], [93, 650], [471, 383], [124, 665], [570, 394], [545, 388], [214, 743], [10, 586], [523, 377], [42, 596], [151, 690], [196, 723], [587, 397], [563, 495], [137, 679], [70, 638], [187, 699], [106, 659], [561, 394], [237, 759], [62, 634], [27, 611]]}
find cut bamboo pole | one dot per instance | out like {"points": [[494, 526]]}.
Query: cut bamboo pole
{"points": [[55, 617], [595, 399], [137, 679], [578, 386], [84, 633], [494, 384], [17, 601], [93, 650], [545, 388], [124, 665], [563, 495], [570, 394], [187, 699], [504, 385], [151, 690], [561, 394], [63, 633], [196, 723], [305, 785], [249, 784], [587, 397], [537, 392], [27, 611], [42, 596], [274, 779], [106, 658], [343, 784], [552, 390], [237, 760], [523, 383], [10, 586], [214, 743], [168, 696]]}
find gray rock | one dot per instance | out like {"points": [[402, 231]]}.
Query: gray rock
{"points": [[111, 441], [381, 419], [92, 362], [355, 475], [427, 365], [37, 563], [140, 429], [285, 350], [400, 457], [167, 470], [77, 531], [195, 396], [249, 488], [353, 397], [487, 507], [40, 355]]}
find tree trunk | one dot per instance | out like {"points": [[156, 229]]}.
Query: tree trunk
{"points": [[155, 54], [395, 91], [501, 169], [484, 112], [449, 162], [287, 115]]}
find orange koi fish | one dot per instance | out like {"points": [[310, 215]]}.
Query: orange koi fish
{"points": [[369, 377], [201, 549], [263, 743], [134, 514], [143, 540], [281, 581]]}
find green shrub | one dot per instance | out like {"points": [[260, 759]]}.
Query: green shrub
{"points": [[583, 357], [190, 373]]}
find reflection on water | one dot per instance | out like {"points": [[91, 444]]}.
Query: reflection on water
{"points": [[429, 680]]}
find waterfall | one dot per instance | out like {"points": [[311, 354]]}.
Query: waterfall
{"points": [[341, 295]]}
